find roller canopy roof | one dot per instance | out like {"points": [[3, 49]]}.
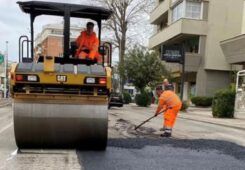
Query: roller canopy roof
{"points": [[58, 9]]}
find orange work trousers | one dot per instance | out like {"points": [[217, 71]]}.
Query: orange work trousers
{"points": [[170, 116], [92, 55]]}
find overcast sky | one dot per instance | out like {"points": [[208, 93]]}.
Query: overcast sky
{"points": [[14, 23]]}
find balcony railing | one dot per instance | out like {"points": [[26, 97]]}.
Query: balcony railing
{"points": [[182, 26], [162, 8], [192, 63]]}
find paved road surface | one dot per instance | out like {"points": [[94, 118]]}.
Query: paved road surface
{"points": [[194, 145]]}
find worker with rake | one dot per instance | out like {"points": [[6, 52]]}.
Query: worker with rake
{"points": [[170, 102]]}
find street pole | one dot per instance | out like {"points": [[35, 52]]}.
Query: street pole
{"points": [[6, 71], [183, 73]]}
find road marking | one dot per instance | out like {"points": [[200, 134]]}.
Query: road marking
{"points": [[12, 155], [6, 127], [6, 116]]}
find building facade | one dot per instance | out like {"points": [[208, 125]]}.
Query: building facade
{"points": [[50, 41], [198, 25], [2, 77]]}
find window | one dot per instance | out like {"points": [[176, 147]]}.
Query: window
{"points": [[187, 9], [193, 10], [192, 44], [178, 12]]}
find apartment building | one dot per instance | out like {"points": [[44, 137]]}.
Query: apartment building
{"points": [[199, 25], [50, 41], [234, 47]]}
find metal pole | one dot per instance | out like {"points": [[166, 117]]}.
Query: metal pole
{"points": [[6, 71], [183, 73], [32, 17], [66, 34]]}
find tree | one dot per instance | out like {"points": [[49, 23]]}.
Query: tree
{"points": [[143, 68], [115, 79], [127, 14]]}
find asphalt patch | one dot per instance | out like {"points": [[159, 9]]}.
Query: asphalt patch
{"points": [[224, 147], [145, 153]]}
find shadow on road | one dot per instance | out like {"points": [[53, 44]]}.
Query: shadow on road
{"points": [[224, 147]]}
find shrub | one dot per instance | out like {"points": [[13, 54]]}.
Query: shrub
{"points": [[202, 101], [143, 99], [185, 105], [223, 103], [127, 98]]}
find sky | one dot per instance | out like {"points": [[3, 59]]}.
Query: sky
{"points": [[14, 23]]}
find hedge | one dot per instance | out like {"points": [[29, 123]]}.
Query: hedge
{"points": [[127, 98], [223, 104], [143, 99], [202, 101], [185, 105]]}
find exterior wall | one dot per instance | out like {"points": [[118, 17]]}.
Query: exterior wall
{"points": [[243, 19], [209, 81], [224, 21], [234, 49], [205, 10], [54, 46]]}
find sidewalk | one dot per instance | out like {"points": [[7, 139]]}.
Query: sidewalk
{"points": [[5, 102], [202, 114], [205, 115]]}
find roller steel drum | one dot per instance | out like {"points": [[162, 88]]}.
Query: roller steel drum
{"points": [[54, 125]]}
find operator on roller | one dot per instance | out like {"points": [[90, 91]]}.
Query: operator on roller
{"points": [[88, 44], [170, 101]]}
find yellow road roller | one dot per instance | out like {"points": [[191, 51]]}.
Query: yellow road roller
{"points": [[61, 102]]}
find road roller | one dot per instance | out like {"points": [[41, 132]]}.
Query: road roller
{"points": [[61, 102]]}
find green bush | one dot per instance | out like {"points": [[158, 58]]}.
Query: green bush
{"points": [[223, 104], [127, 98], [143, 99], [202, 101], [185, 105]]}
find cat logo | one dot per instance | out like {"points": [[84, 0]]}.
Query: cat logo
{"points": [[61, 78]]}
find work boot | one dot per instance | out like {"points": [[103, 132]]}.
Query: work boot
{"points": [[166, 135]]}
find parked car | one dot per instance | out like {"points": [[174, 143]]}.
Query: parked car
{"points": [[116, 99]]}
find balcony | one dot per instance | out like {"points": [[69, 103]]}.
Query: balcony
{"points": [[192, 63], [234, 50], [159, 11], [182, 26]]}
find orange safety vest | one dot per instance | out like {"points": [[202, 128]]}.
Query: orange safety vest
{"points": [[169, 99], [91, 42]]}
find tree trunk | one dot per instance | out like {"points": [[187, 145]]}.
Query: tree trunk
{"points": [[122, 50]]}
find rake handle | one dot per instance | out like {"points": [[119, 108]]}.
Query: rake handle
{"points": [[136, 127]]}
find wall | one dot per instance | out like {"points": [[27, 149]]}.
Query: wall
{"points": [[224, 21]]}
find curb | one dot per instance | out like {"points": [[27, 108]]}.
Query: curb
{"points": [[5, 103]]}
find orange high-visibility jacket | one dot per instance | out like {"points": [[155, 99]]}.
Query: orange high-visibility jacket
{"points": [[168, 99], [91, 42]]}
